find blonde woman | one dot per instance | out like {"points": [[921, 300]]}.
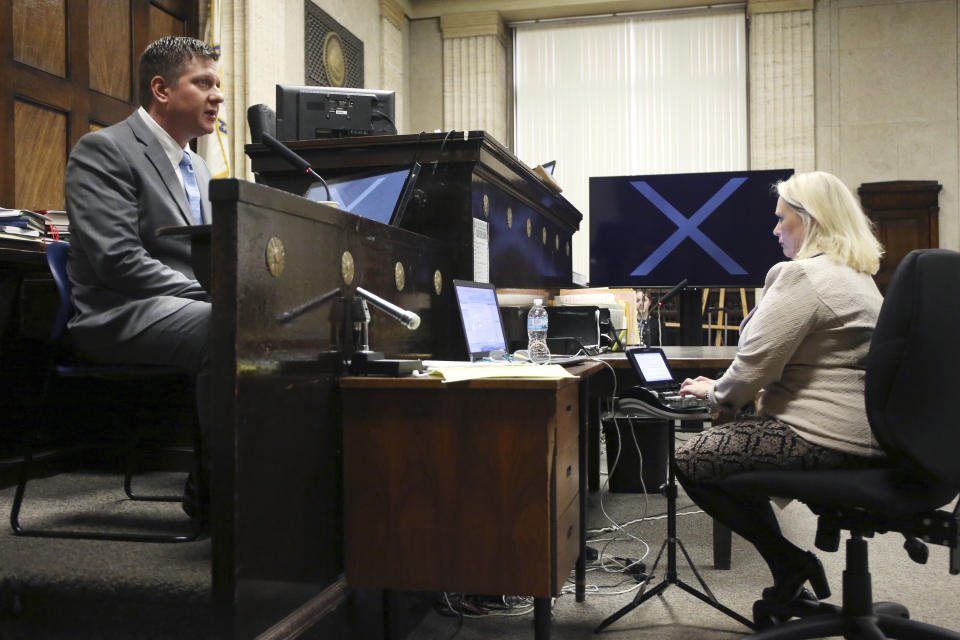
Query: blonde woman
{"points": [[800, 356]]}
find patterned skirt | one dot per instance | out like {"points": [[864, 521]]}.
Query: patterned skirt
{"points": [[757, 443]]}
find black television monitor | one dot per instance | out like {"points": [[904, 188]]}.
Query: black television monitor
{"points": [[712, 229], [307, 113]]}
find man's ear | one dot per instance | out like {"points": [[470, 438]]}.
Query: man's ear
{"points": [[159, 88]]}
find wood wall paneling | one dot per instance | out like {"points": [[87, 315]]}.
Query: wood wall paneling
{"points": [[74, 58], [164, 24], [40, 34], [40, 158], [110, 60]]}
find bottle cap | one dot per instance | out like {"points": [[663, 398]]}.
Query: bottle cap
{"points": [[537, 301]]}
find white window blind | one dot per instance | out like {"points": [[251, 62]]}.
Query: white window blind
{"points": [[632, 95]]}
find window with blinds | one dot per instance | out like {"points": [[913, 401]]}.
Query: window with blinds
{"points": [[631, 95]]}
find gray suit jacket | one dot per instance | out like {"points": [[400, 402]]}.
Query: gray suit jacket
{"points": [[120, 188]]}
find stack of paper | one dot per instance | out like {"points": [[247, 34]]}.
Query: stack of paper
{"points": [[33, 227], [520, 297], [458, 373]]}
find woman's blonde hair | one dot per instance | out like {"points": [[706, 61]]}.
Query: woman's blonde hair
{"points": [[833, 222]]}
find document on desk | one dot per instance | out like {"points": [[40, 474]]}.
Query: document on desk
{"points": [[454, 373]]}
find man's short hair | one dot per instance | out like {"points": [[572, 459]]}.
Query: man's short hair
{"points": [[168, 58]]}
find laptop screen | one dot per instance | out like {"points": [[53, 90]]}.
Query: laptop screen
{"points": [[651, 365], [480, 316]]}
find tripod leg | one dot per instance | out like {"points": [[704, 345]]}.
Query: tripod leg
{"points": [[653, 569], [637, 601], [713, 602], [695, 572]]}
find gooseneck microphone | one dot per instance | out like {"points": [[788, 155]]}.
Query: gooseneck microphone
{"points": [[669, 294], [296, 161], [407, 318], [286, 316]]}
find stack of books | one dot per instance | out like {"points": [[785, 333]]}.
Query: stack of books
{"points": [[22, 227]]}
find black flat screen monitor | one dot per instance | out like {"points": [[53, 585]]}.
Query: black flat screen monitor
{"points": [[307, 113], [714, 229], [381, 194]]}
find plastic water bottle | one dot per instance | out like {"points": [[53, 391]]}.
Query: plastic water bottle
{"points": [[537, 332]]}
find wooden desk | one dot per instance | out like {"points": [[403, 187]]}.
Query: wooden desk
{"points": [[471, 487]]}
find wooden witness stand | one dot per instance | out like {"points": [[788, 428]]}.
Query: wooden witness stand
{"points": [[277, 418]]}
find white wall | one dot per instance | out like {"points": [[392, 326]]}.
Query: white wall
{"points": [[362, 19], [426, 75], [275, 43], [886, 96], [274, 48], [273, 32]]}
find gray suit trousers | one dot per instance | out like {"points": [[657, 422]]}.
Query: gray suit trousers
{"points": [[180, 339]]}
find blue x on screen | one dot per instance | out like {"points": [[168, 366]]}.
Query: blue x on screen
{"points": [[714, 229]]}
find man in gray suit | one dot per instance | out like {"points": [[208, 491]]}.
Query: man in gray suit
{"points": [[137, 298]]}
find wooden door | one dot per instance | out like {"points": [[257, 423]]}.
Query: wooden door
{"points": [[67, 68], [906, 215]]}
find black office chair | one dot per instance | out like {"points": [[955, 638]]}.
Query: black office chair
{"points": [[62, 365], [914, 348]]}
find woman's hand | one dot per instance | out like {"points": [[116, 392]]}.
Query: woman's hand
{"points": [[697, 387]]}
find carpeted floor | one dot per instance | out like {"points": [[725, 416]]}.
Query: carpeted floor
{"points": [[928, 590], [53, 589], [80, 589]]}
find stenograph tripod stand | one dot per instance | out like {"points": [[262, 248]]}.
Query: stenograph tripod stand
{"points": [[672, 541]]}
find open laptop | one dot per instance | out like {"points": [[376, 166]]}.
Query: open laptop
{"points": [[650, 364], [482, 325], [480, 318]]}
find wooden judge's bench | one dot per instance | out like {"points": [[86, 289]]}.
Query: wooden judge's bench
{"points": [[280, 430]]}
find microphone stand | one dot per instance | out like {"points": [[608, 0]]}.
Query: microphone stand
{"points": [[680, 286], [366, 361], [295, 160]]}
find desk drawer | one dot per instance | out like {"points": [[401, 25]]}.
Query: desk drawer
{"points": [[567, 472]]}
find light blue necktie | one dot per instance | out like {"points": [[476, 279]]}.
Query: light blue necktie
{"points": [[190, 184]]}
